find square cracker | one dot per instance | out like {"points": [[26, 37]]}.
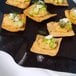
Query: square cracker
{"points": [[20, 4], [52, 2], [36, 49], [52, 29], [67, 14], [7, 24], [37, 19]]}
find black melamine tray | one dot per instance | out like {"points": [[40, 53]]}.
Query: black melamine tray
{"points": [[18, 44]]}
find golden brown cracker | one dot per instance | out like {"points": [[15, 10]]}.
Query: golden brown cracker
{"points": [[38, 19], [8, 25], [36, 49], [52, 2], [54, 30], [19, 4]]}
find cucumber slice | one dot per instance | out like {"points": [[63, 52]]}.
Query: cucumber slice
{"points": [[53, 45], [18, 23], [43, 9], [64, 22], [13, 15], [38, 9], [51, 42]]}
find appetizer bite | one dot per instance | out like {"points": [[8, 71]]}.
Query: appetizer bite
{"points": [[46, 45], [60, 29], [57, 2], [14, 22], [38, 12], [71, 15], [19, 3]]}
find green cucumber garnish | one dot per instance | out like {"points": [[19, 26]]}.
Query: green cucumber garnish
{"points": [[39, 7], [65, 23], [51, 42]]}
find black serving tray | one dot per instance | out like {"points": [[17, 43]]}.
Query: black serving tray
{"points": [[18, 44]]}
